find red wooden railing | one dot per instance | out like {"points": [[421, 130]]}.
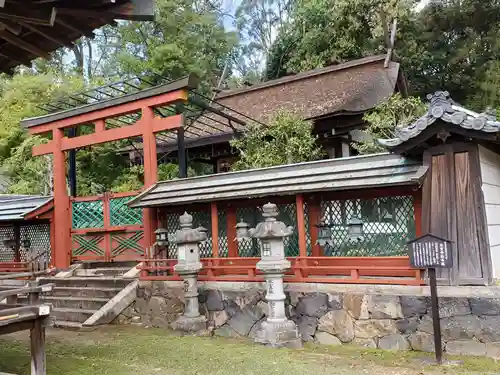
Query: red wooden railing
{"points": [[355, 270]]}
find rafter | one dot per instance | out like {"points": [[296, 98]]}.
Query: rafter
{"points": [[46, 34], [22, 44], [13, 27], [40, 15]]}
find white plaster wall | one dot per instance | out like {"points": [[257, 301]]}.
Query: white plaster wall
{"points": [[490, 174]]}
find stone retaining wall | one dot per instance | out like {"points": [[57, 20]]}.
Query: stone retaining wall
{"points": [[383, 320]]}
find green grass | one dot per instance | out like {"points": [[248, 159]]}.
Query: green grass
{"points": [[136, 351]]}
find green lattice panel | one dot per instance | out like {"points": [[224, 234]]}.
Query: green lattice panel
{"points": [[200, 218], [252, 216], [127, 242], [121, 214], [223, 240], [88, 245], [388, 223], [87, 214]]}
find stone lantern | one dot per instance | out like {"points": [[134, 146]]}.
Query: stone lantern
{"points": [[276, 330], [188, 266]]}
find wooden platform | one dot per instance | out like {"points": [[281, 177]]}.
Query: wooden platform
{"points": [[34, 317]]}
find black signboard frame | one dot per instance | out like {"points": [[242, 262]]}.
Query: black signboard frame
{"points": [[430, 252]]}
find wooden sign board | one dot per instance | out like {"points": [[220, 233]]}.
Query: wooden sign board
{"points": [[430, 251]]}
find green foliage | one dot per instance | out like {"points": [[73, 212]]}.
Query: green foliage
{"points": [[324, 32], [187, 37], [20, 97], [286, 140], [397, 112]]}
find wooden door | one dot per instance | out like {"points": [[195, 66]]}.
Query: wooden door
{"points": [[453, 207]]}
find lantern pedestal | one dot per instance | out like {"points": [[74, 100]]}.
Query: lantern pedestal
{"points": [[191, 320], [276, 330], [188, 266]]}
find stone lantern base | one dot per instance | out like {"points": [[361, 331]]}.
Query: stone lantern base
{"points": [[279, 334], [190, 325]]}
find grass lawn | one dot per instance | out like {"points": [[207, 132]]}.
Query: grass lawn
{"points": [[138, 351]]}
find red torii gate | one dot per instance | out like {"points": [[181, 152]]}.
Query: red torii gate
{"points": [[55, 124]]}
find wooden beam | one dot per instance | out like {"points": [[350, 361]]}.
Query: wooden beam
{"points": [[69, 25], [2, 3], [103, 136], [21, 43], [45, 34], [111, 111], [116, 134], [13, 27], [39, 16], [135, 10]]}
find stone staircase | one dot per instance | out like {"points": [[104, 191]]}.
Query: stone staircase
{"points": [[77, 298]]}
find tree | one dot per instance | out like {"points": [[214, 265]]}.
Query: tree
{"points": [[258, 23], [324, 32], [286, 140], [187, 37], [397, 112], [21, 97]]}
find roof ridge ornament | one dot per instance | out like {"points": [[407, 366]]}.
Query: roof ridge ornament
{"points": [[442, 107]]}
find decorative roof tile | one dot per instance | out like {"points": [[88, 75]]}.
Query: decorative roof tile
{"points": [[442, 107]]}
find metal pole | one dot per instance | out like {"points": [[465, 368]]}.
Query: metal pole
{"points": [[72, 166], [435, 316], [181, 152]]}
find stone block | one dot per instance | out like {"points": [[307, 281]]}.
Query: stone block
{"points": [[218, 318], [367, 329], [485, 306], [338, 323], [325, 338], [307, 326], [460, 328], [231, 307], [408, 325], [243, 321], [255, 329], [226, 331], [335, 301], [365, 343], [421, 341], [493, 350], [213, 300], [451, 306], [414, 306], [394, 342], [357, 306], [384, 307], [490, 329], [165, 308], [425, 324], [313, 305], [468, 347], [294, 297]]}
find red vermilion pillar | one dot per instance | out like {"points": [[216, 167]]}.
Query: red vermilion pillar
{"points": [[150, 173], [62, 239]]}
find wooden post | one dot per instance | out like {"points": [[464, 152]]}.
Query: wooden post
{"points": [[215, 229], [72, 165], [417, 208], [37, 341], [107, 223], [181, 153], [231, 232], [314, 215], [301, 227], [150, 173], [17, 243], [62, 245], [438, 347]]}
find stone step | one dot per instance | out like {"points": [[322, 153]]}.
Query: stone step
{"points": [[124, 264], [86, 303], [96, 282], [92, 292], [99, 272], [71, 314]]}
